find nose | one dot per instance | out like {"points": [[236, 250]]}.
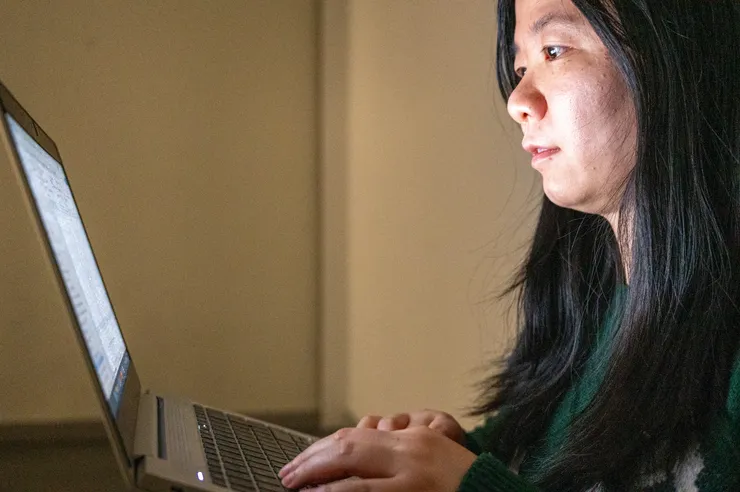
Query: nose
{"points": [[526, 102]]}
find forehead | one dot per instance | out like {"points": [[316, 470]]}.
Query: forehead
{"points": [[534, 16], [528, 11]]}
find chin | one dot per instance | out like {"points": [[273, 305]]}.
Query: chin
{"points": [[558, 195], [563, 199]]}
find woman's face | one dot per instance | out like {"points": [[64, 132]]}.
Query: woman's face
{"points": [[573, 108]]}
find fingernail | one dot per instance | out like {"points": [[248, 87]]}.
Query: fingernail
{"points": [[285, 470], [288, 481]]}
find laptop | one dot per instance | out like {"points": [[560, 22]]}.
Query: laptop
{"points": [[161, 443]]}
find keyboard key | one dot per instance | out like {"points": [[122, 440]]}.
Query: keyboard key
{"points": [[262, 472], [242, 485], [240, 474], [290, 454], [257, 461], [251, 444], [230, 450], [271, 487], [245, 451], [265, 467], [266, 481], [272, 455]]}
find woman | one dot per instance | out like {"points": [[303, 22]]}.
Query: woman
{"points": [[625, 374]]}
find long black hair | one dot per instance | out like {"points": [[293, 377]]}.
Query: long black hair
{"points": [[679, 332]]}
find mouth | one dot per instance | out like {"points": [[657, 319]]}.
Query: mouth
{"points": [[540, 152]]}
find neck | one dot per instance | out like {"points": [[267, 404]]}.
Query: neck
{"points": [[624, 242]]}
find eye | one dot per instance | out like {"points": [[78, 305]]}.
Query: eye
{"points": [[552, 52]]}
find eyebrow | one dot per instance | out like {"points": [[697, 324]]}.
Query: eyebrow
{"points": [[539, 25]]}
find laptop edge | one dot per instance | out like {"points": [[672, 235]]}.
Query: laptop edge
{"points": [[144, 423]]}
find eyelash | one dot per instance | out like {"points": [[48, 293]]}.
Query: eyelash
{"points": [[519, 72]]}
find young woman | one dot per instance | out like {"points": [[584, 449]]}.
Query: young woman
{"points": [[626, 371]]}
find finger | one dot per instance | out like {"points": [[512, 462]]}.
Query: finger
{"points": [[364, 453], [319, 446], [448, 426], [358, 485], [421, 419], [443, 422], [394, 422], [369, 422], [314, 448]]}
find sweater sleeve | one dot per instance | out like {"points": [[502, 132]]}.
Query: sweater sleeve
{"points": [[488, 474], [482, 438], [720, 455], [733, 396]]}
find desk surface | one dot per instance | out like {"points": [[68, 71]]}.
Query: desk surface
{"points": [[59, 467]]}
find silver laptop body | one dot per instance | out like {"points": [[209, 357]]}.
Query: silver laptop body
{"points": [[160, 442]]}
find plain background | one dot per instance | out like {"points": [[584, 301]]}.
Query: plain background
{"points": [[297, 206]]}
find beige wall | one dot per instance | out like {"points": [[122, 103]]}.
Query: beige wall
{"points": [[333, 88], [438, 193], [189, 134]]}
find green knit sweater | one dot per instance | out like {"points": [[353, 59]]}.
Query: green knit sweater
{"points": [[712, 466]]}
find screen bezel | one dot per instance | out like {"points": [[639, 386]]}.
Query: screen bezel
{"points": [[120, 428]]}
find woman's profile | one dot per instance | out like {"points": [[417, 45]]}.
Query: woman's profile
{"points": [[625, 374]]}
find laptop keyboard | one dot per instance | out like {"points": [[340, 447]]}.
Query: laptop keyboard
{"points": [[245, 455]]}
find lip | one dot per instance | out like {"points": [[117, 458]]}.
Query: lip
{"points": [[540, 152]]}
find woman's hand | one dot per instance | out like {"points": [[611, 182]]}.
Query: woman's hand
{"points": [[417, 458], [434, 419]]}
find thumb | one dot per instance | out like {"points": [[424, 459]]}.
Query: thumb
{"points": [[448, 426]]}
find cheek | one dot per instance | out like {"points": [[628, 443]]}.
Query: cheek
{"points": [[593, 122], [602, 124], [599, 140]]}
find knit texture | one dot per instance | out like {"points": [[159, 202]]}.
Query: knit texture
{"points": [[711, 466]]}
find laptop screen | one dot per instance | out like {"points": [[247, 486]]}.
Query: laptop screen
{"points": [[77, 266]]}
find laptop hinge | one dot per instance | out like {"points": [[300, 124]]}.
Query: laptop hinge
{"points": [[147, 427], [161, 434]]}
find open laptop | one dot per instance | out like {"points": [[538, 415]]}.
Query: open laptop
{"points": [[160, 443]]}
